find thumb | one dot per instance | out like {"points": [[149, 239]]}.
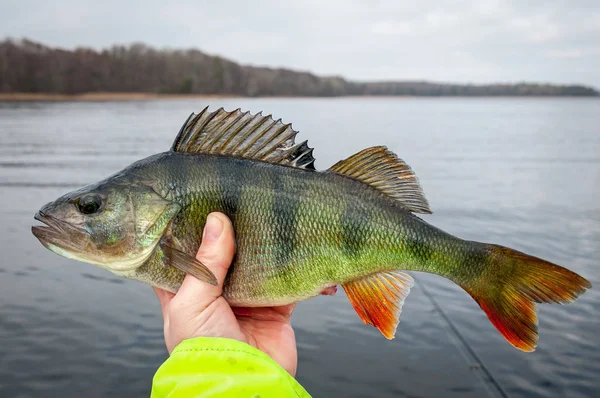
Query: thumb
{"points": [[216, 252]]}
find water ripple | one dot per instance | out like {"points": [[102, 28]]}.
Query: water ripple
{"points": [[525, 174]]}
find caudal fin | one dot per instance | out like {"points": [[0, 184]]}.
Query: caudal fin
{"points": [[517, 281]]}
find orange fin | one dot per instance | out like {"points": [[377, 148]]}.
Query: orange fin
{"points": [[509, 301], [378, 299]]}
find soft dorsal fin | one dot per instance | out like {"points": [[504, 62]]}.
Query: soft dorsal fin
{"points": [[243, 135], [383, 170], [378, 299]]}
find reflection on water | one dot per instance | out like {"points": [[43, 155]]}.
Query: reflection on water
{"points": [[523, 173]]}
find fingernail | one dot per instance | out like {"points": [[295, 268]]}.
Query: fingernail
{"points": [[212, 229]]}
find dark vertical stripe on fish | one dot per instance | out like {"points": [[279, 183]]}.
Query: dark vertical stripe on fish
{"points": [[231, 181], [354, 231], [285, 209]]}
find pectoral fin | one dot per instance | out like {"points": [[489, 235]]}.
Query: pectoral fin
{"points": [[188, 264], [378, 299]]}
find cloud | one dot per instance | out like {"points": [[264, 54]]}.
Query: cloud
{"points": [[449, 40], [535, 29], [391, 28], [574, 53]]}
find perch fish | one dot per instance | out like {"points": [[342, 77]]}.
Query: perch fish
{"points": [[299, 232]]}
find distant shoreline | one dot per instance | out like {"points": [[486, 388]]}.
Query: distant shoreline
{"points": [[140, 72], [91, 97], [106, 96]]}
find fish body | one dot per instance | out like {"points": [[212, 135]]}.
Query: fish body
{"points": [[328, 228], [299, 232]]}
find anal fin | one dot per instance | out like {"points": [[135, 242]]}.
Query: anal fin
{"points": [[378, 299]]}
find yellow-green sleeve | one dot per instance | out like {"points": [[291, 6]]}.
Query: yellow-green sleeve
{"points": [[219, 367]]}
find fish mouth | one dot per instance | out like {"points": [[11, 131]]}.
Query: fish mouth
{"points": [[59, 233]]}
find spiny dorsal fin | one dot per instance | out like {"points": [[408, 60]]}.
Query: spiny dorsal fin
{"points": [[243, 135], [383, 170], [378, 299]]}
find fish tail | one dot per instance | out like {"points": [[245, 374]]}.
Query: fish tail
{"points": [[511, 285]]}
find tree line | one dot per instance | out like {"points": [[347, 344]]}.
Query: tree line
{"points": [[31, 67]]}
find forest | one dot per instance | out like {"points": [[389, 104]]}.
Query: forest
{"points": [[30, 67]]}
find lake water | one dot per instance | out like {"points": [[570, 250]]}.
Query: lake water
{"points": [[524, 173]]}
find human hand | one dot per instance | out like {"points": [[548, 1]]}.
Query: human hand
{"points": [[198, 309]]}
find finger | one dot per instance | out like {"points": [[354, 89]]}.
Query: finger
{"points": [[164, 297], [242, 311], [279, 314], [285, 310], [216, 252]]}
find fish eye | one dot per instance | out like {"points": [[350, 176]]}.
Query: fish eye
{"points": [[89, 203]]}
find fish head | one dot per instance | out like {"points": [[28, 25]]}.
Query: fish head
{"points": [[112, 224]]}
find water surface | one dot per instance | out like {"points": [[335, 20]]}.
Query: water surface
{"points": [[524, 173]]}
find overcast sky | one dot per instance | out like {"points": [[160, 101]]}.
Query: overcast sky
{"points": [[451, 41]]}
